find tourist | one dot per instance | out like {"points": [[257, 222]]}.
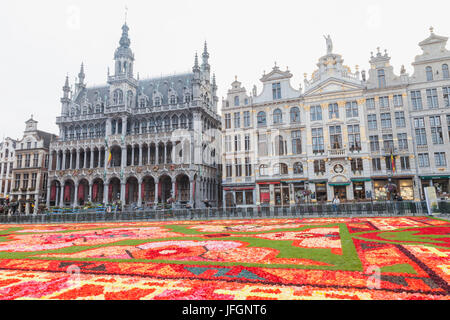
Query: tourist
{"points": [[336, 203]]}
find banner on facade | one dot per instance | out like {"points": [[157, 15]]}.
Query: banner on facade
{"points": [[432, 201]]}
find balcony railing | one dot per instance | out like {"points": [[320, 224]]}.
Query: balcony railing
{"points": [[336, 152]]}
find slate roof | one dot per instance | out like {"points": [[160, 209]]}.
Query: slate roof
{"points": [[177, 82]]}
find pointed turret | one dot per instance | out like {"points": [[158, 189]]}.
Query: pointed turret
{"points": [[66, 88], [124, 56], [205, 57], [65, 100], [125, 40], [196, 67], [206, 68], [81, 75]]}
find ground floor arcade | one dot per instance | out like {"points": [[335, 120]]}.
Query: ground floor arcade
{"points": [[134, 191]]}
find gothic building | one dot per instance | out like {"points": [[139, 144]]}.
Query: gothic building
{"points": [[356, 135], [140, 141]]}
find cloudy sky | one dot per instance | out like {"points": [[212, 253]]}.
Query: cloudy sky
{"points": [[44, 40]]}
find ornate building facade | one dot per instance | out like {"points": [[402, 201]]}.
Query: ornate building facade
{"points": [[30, 170], [7, 158], [357, 135], [140, 141]]}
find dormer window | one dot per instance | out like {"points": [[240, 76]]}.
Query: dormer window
{"points": [[157, 101], [445, 73], [276, 91], [236, 101], [187, 98], [381, 78], [173, 100], [429, 72]]}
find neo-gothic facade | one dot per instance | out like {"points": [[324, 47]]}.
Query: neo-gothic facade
{"points": [[357, 135], [140, 141]]}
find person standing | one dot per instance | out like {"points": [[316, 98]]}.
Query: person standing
{"points": [[336, 202]]}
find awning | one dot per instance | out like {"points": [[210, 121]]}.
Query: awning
{"points": [[361, 180], [339, 184], [318, 181], [434, 177]]}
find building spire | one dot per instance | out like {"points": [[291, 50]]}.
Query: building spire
{"points": [[205, 65], [196, 67], [125, 40], [81, 75]]}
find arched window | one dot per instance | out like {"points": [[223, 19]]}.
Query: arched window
{"points": [[295, 114], [175, 122], [429, 72], [118, 97], [144, 126], [142, 103], [236, 101], [158, 124], [187, 97], [157, 101], [136, 127], [91, 131], [298, 168], [261, 118], [280, 169], [445, 73], [381, 78], [78, 132], [151, 125], [167, 123], [183, 122], [277, 116], [173, 99], [263, 170]]}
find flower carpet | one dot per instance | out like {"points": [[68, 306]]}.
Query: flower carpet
{"points": [[311, 258]]}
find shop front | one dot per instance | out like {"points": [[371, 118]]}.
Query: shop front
{"points": [[340, 189], [301, 192], [239, 196], [441, 183], [359, 189], [264, 194], [389, 189], [281, 194], [321, 191]]}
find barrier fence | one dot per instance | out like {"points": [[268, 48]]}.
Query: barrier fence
{"points": [[367, 209]]}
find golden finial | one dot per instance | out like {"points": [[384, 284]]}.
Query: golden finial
{"points": [[431, 30]]}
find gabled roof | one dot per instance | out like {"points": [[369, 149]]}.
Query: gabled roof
{"points": [[432, 39], [276, 74], [333, 84]]}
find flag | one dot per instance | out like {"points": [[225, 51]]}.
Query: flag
{"points": [[393, 162], [109, 157]]}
